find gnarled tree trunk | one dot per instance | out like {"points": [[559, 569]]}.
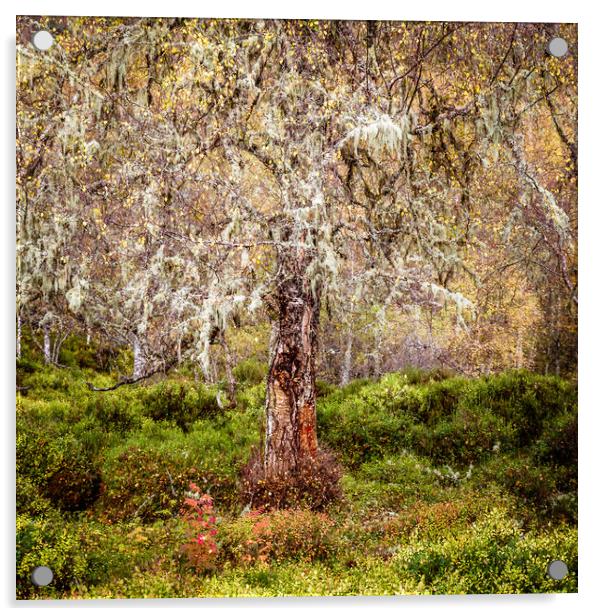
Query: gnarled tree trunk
{"points": [[291, 385]]}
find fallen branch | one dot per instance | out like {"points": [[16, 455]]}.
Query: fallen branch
{"points": [[132, 380]]}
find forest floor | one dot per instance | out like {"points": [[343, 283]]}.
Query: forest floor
{"points": [[449, 485]]}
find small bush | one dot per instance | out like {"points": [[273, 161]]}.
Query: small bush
{"points": [[250, 372], [315, 484], [116, 411], [251, 398], [50, 542], [276, 536], [417, 376], [147, 475], [522, 399], [436, 520], [75, 485], [60, 467], [179, 403], [558, 441], [533, 484], [361, 428], [464, 438], [29, 499], [200, 549], [389, 483], [440, 399], [324, 389], [494, 556]]}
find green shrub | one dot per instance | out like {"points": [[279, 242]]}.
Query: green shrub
{"points": [[77, 353], [324, 389], [30, 501], [455, 420], [147, 475], [26, 365], [417, 376], [494, 556], [252, 398], [464, 438], [181, 403], [526, 400], [48, 541], [533, 484], [116, 411], [558, 441], [365, 425], [49, 381], [387, 484], [83, 553], [440, 399], [250, 372], [422, 520], [59, 466]]}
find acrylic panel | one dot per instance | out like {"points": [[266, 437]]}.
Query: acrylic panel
{"points": [[296, 307]]}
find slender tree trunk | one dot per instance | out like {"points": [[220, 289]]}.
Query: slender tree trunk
{"points": [[19, 336], [47, 346], [139, 360], [346, 371], [377, 354], [229, 362], [346, 368], [291, 384], [519, 350]]}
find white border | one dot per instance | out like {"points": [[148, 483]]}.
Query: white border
{"points": [[590, 219]]}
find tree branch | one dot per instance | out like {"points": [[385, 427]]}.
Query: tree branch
{"points": [[132, 380]]}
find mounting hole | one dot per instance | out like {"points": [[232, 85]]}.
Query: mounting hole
{"points": [[558, 47], [42, 576], [557, 569], [42, 40]]}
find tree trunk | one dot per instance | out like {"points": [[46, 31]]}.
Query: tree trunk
{"points": [[47, 350], [229, 365], [519, 350], [139, 360], [291, 384], [346, 371], [19, 336]]}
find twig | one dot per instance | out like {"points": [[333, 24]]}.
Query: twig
{"points": [[173, 490], [146, 500]]}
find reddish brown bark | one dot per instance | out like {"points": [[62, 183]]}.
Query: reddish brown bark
{"points": [[291, 434]]}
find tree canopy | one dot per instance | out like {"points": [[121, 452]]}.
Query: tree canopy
{"points": [[174, 174]]}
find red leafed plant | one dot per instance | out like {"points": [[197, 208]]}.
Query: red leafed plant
{"points": [[200, 549]]}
